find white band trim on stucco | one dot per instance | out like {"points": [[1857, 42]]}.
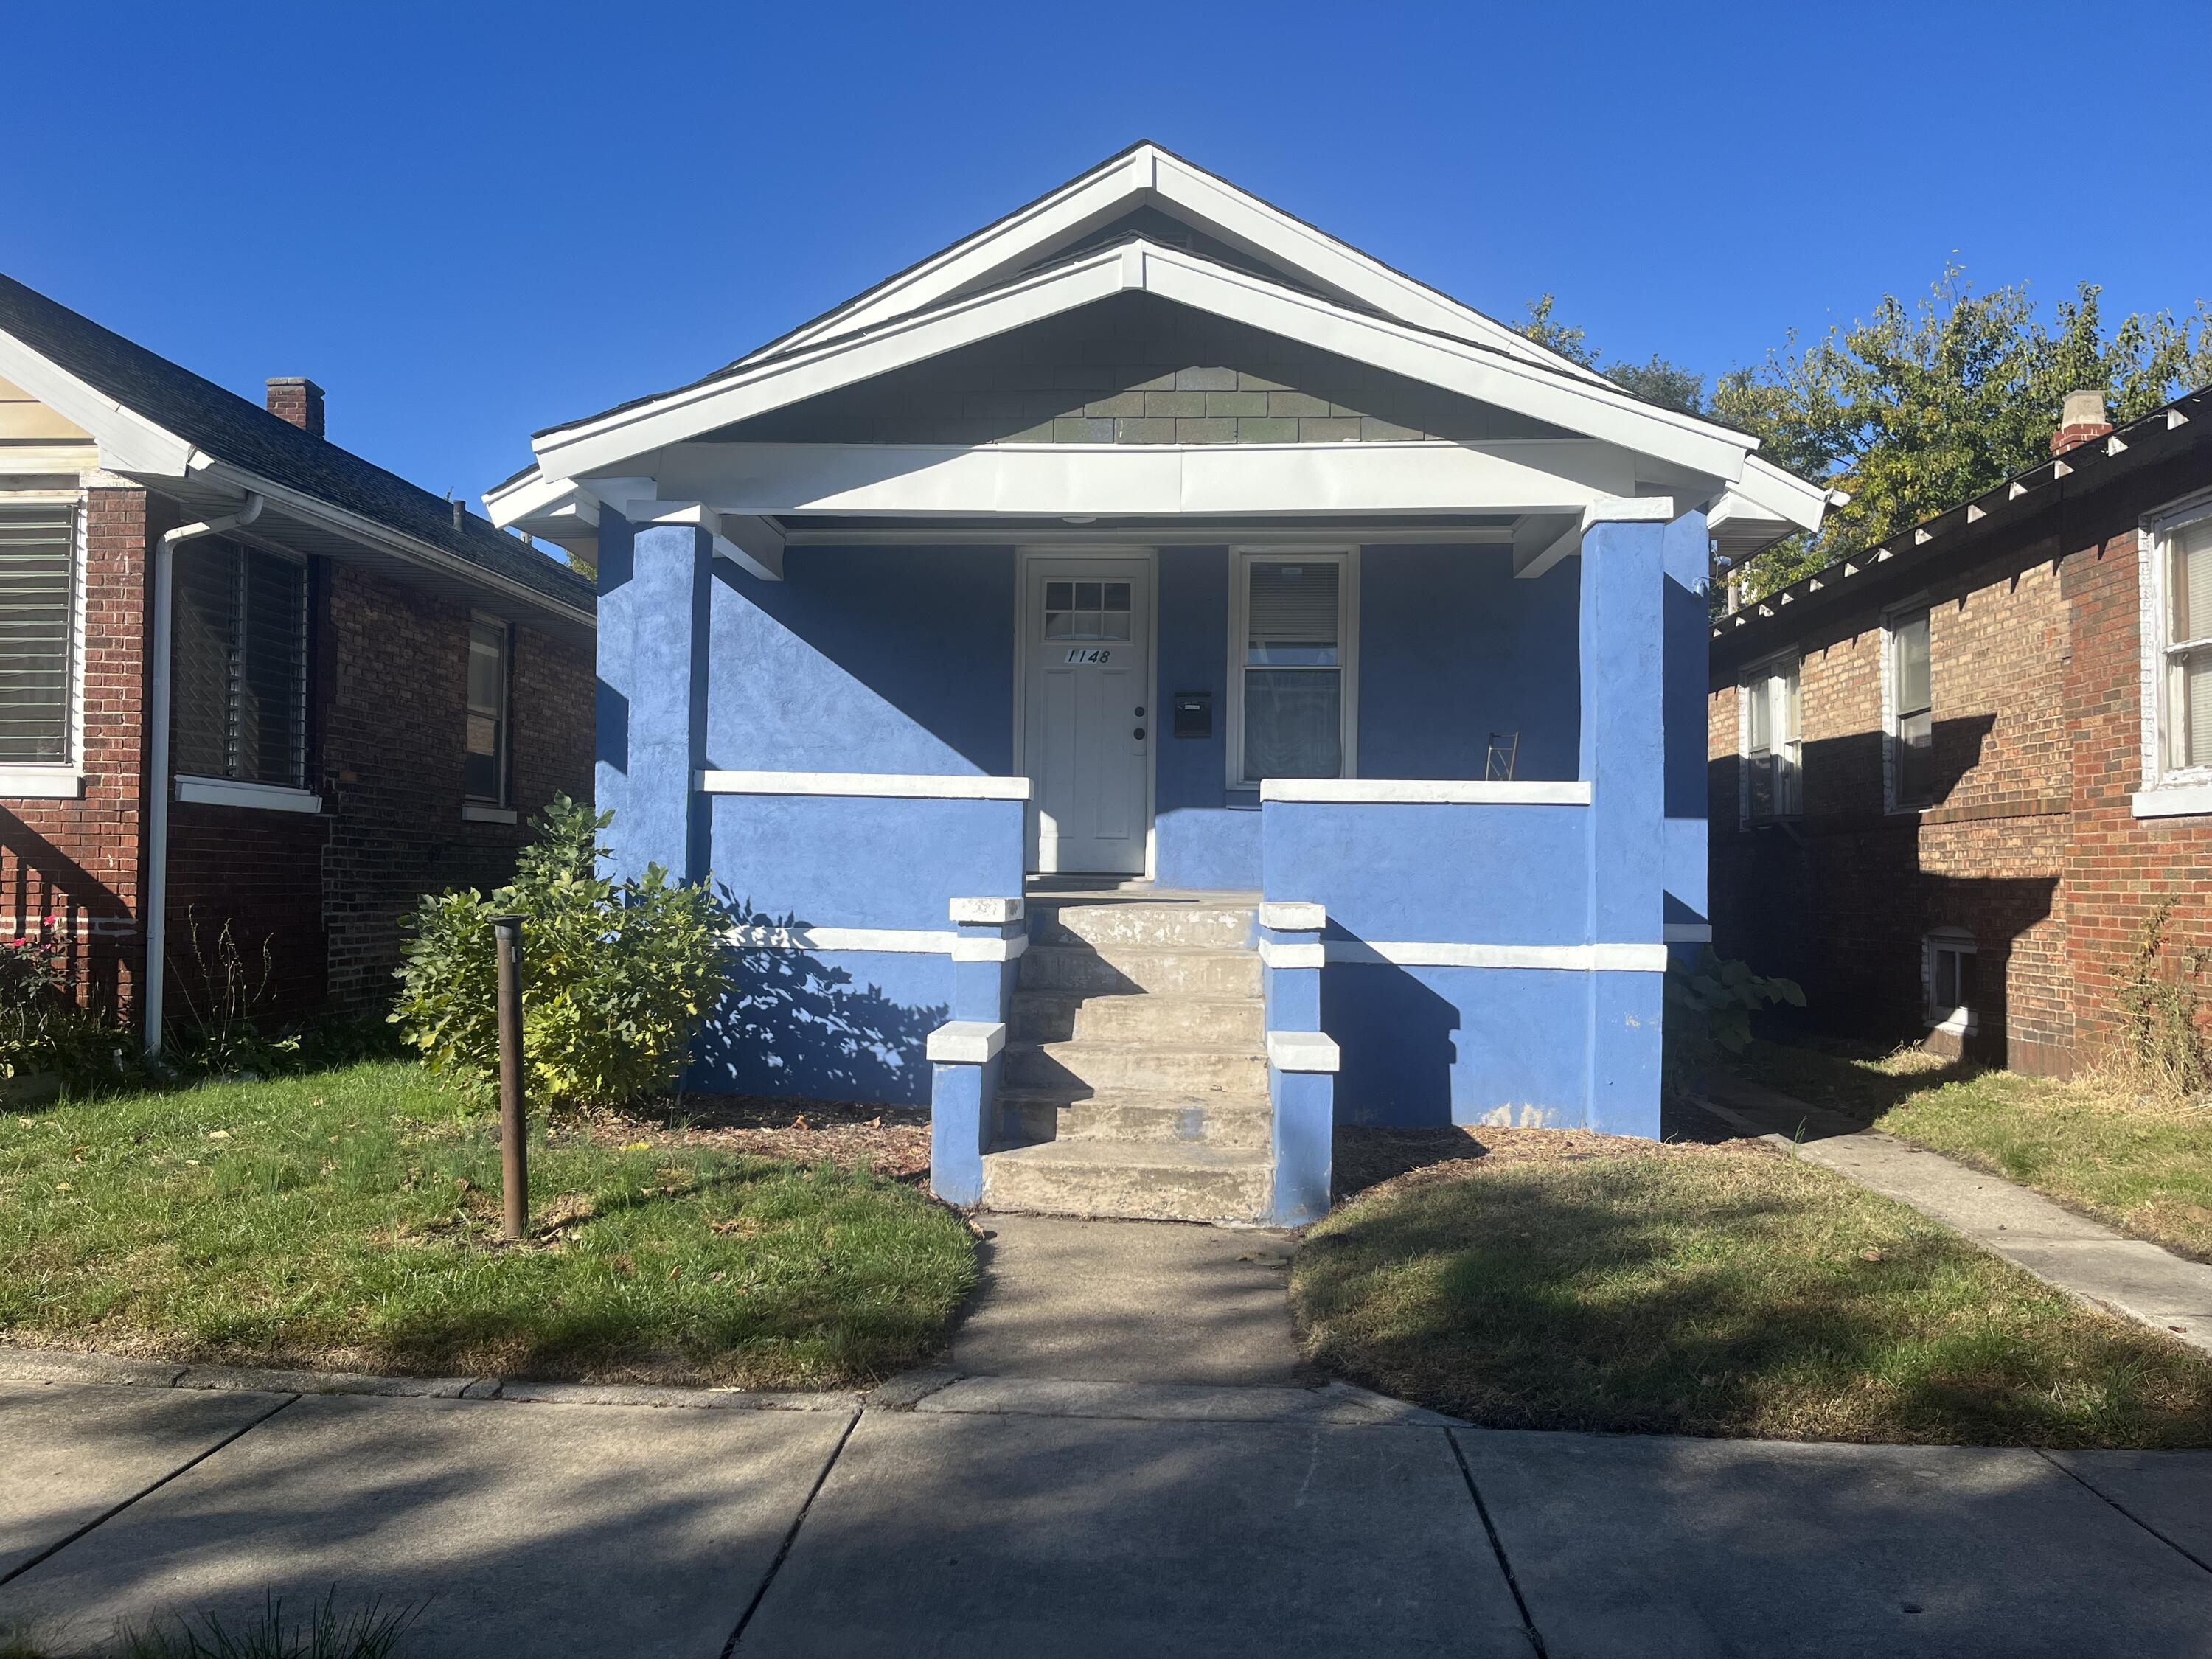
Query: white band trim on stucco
{"points": [[1424, 792], [1303, 1051], [905, 941], [2179, 801], [1294, 918], [966, 1042], [984, 912], [1687, 933], [919, 786], [234, 791], [1422, 953]]}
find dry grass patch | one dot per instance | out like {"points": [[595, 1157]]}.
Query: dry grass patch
{"points": [[2139, 1162], [1720, 1290]]}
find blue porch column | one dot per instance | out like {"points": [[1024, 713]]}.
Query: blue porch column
{"points": [[966, 1052], [1302, 1061], [1623, 641], [654, 598]]}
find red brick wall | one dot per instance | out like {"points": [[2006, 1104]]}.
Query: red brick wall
{"points": [[78, 860]]}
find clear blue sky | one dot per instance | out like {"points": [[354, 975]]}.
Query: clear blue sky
{"points": [[470, 222]]}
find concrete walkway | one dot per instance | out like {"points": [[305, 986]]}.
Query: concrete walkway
{"points": [[2084, 1258], [1066, 1501]]}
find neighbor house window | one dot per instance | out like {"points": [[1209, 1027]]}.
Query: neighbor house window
{"points": [[2188, 647], [485, 776], [1772, 747], [1948, 968], [1912, 731], [1294, 655], [241, 684], [37, 631]]}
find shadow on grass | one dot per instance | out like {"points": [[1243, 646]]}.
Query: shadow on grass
{"points": [[1721, 1293], [1844, 1078]]}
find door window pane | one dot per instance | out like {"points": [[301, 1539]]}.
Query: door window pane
{"points": [[38, 562], [1086, 610]]}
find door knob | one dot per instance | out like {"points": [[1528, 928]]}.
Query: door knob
{"points": [[1138, 734]]}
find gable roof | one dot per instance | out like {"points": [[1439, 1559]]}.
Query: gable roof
{"points": [[165, 398]]}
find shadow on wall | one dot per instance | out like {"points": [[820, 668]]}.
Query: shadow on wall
{"points": [[38, 880], [1398, 1043], [794, 1025]]}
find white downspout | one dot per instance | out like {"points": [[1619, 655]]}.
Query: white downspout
{"points": [[155, 908]]}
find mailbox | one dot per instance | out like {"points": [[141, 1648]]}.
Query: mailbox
{"points": [[1194, 714]]}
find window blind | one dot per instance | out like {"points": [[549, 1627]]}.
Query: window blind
{"points": [[239, 691], [1291, 619], [38, 562]]}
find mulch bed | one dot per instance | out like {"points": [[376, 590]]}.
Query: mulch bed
{"points": [[894, 1140]]}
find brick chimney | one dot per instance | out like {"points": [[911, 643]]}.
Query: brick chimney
{"points": [[298, 400], [2083, 419]]}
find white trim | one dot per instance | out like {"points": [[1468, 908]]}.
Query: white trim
{"points": [[1294, 918], [1426, 792], [1275, 954], [966, 1042], [2175, 800], [239, 792], [1629, 509], [1413, 953], [2154, 543], [1687, 933], [904, 785], [53, 780], [987, 912], [896, 941], [1348, 651], [1303, 1051], [476, 812]]}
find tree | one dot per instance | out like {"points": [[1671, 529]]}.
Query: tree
{"points": [[1658, 381], [1921, 407]]}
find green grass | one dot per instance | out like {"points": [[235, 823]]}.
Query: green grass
{"points": [[1720, 1291], [349, 1219], [2143, 1167]]}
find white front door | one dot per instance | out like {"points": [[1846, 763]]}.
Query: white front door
{"points": [[1087, 722]]}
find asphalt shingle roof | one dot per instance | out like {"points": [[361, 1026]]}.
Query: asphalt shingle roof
{"points": [[242, 433]]}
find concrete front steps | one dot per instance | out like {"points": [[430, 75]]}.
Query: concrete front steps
{"points": [[1135, 1079]]}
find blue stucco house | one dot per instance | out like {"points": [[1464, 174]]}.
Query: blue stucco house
{"points": [[1160, 682]]}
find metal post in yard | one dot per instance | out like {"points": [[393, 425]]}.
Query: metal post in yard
{"points": [[514, 1169]]}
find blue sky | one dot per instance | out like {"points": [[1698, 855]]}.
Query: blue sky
{"points": [[469, 221]]}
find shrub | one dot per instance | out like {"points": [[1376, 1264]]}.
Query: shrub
{"points": [[44, 1030], [618, 977], [2163, 1051], [1709, 1008]]}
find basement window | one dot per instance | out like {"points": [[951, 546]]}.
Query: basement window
{"points": [[1773, 745], [1948, 972]]}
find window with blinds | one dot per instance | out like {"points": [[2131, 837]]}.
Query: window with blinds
{"points": [[1293, 669], [240, 685], [37, 631], [485, 768], [2189, 649]]}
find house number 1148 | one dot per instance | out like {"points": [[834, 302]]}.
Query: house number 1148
{"points": [[1090, 653]]}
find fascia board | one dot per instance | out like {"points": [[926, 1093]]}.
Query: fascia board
{"points": [[1781, 494], [1118, 480], [605, 443], [128, 442], [536, 498], [1587, 407]]}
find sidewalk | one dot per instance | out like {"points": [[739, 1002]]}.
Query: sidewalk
{"points": [[1212, 1504], [2084, 1258]]}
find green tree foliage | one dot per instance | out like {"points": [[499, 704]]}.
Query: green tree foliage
{"points": [[618, 977], [1657, 381]]}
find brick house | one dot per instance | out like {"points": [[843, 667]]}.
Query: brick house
{"points": [[1953, 777], [370, 691]]}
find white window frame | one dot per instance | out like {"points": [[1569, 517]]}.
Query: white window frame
{"points": [[1240, 600], [1892, 757], [2167, 791], [61, 780], [1761, 681], [1961, 1020]]}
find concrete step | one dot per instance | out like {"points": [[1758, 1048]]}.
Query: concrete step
{"points": [[1031, 1116], [1053, 1016], [1136, 1180], [1124, 971], [1183, 926], [1110, 1067]]}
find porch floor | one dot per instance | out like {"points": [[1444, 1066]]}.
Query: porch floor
{"points": [[1129, 890]]}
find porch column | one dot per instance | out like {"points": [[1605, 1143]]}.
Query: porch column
{"points": [[1624, 761], [1302, 1061], [965, 1052], [655, 595]]}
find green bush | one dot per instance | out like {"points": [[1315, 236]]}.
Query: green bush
{"points": [[45, 1032], [618, 977], [1708, 1012]]}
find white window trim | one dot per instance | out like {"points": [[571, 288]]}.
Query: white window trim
{"points": [[240, 791], [476, 812], [1892, 766], [1960, 1021], [61, 780], [1762, 674], [1240, 597], [2167, 791]]}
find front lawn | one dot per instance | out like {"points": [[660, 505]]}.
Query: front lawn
{"points": [[1722, 1289], [349, 1220], [2141, 1166]]}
